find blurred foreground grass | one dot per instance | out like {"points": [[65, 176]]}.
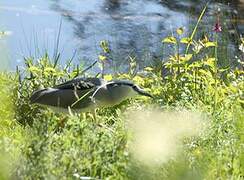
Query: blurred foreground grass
{"points": [[11, 133]]}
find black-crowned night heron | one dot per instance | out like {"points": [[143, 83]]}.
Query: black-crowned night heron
{"points": [[86, 94]]}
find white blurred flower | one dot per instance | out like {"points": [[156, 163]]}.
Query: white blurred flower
{"points": [[157, 135], [241, 48]]}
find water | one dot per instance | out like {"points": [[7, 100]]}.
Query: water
{"points": [[132, 27]]}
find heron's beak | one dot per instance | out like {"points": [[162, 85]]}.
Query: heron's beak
{"points": [[144, 93]]}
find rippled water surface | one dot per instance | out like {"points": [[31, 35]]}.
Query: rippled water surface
{"points": [[131, 27]]}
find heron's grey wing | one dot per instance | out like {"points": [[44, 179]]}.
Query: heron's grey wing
{"points": [[63, 98], [80, 84], [75, 93]]}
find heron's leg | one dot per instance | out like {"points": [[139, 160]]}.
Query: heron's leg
{"points": [[70, 111], [94, 114], [84, 116], [60, 125]]}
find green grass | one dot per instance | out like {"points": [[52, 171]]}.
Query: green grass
{"points": [[32, 148], [12, 134]]}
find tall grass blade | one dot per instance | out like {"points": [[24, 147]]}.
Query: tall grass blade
{"points": [[196, 26], [56, 53]]}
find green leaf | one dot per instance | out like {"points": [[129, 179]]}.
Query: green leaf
{"points": [[186, 40], [34, 69], [148, 69], [186, 57], [241, 101], [224, 69], [105, 46], [49, 69], [210, 44], [138, 80], [102, 58], [180, 30], [108, 77], [170, 40], [206, 73], [210, 62], [168, 65], [196, 64]]}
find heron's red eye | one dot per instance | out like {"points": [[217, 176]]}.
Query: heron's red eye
{"points": [[134, 87]]}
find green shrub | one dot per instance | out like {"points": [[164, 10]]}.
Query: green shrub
{"points": [[190, 80]]}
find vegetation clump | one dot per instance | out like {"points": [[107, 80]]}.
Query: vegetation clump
{"points": [[192, 80]]}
